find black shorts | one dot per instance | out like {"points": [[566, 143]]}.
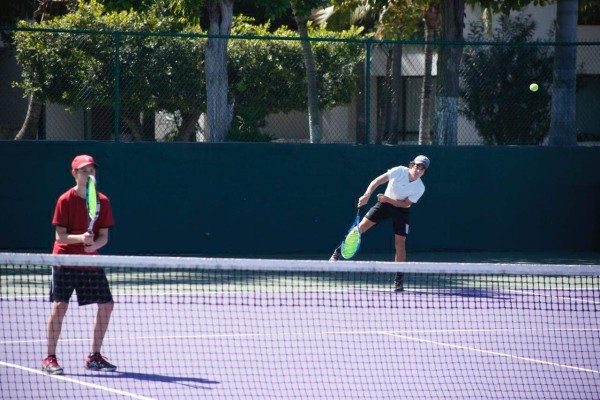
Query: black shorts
{"points": [[399, 216], [91, 286]]}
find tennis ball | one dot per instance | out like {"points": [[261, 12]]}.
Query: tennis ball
{"points": [[534, 87]]}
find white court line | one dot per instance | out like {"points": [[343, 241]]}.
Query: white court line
{"points": [[323, 333], [78, 382], [495, 353], [575, 300]]}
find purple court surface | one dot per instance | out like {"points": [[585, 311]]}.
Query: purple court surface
{"points": [[417, 344]]}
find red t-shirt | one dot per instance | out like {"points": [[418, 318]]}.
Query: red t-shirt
{"points": [[71, 213]]}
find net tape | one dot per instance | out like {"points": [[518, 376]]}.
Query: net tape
{"points": [[298, 265]]}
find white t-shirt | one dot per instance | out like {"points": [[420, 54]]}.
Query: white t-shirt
{"points": [[400, 188]]}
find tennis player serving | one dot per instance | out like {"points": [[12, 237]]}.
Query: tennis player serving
{"points": [[404, 188], [80, 230]]}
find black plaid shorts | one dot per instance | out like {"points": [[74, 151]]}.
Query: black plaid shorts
{"points": [[91, 286]]}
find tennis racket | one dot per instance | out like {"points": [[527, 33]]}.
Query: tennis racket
{"points": [[351, 242], [92, 202]]}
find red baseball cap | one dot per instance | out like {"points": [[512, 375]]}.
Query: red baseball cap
{"points": [[83, 160]]}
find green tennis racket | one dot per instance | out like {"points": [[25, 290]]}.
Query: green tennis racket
{"points": [[91, 201], [351, 242]]}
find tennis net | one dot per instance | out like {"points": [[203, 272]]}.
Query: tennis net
{"points": [[301, 329]]}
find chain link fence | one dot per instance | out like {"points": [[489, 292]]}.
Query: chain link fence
{"points": [[125, 86]]}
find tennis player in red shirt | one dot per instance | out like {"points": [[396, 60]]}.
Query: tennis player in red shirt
{"points": [[72, 237]]}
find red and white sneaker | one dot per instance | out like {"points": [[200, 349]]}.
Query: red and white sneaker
{"points": [[50, 366], [95, 362]]}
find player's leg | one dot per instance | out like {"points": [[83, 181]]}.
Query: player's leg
{"points": [[50, 364], [95, 289], [54, 327], [365, 225], [61, 289], [400, 223], [95, 361], [400, 244], [101, 326], [400, 256]]}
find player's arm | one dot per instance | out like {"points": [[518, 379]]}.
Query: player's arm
{"points": [[63, 237], [396, 203], [380, 180], [101, 241]]}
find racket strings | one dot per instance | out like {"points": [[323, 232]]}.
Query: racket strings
{"points": [[351, 244]]}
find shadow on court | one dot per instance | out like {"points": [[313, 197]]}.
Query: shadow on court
{"points": [[472, 293], [193, 382]]}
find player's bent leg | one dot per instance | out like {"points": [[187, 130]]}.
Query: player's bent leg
{"points": [[365, 225]]}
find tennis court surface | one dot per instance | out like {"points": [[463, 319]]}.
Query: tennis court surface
{"points": [[199, 328]]}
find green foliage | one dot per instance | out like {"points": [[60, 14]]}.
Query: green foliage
{"points": [[506, 6], [126, 5], [495, 84], [276, 8], [260, 71], [336, 65], [400, 19], [392, 19], [245, 128], [268, 76], [78, 69], [163, 71]]}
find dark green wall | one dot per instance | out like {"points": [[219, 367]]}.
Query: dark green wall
{"points": [[277, 199]]}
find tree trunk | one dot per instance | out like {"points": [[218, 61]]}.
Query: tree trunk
{"points": [[149, 126], [188, 126], [384, 103], [395, 94], [446, 102], [432, 20], [311, 78], [220, 14], [29, 129], [361, 118], [134, 122], [563, 129]]}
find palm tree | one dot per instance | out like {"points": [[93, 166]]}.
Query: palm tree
{"points": [[311, 74], [220, 17], [218, 108], [431, 16], [392, 20], [448, 64]]}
